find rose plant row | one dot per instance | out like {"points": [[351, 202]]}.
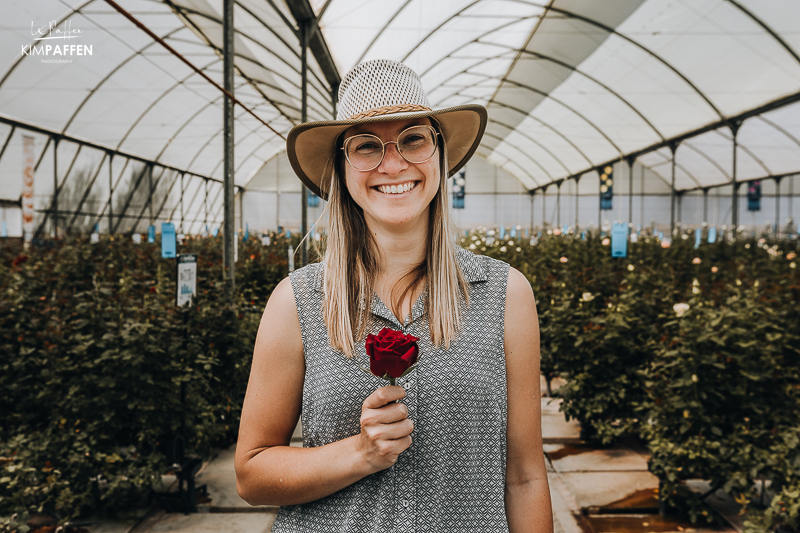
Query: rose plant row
{"points": [[93, 354], [694, 351]]}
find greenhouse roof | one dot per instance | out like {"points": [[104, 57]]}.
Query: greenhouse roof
{"points": [[570, 85]]}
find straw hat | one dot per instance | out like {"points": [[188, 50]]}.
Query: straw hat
{"points": [[380, 91]]}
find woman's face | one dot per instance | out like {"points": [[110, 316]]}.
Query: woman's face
{"points": [[371, 190]]}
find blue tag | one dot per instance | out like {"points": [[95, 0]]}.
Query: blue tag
{"points": [[168, 244], [698, 237], [246, 232], [96, 228], [288, 234], [660, 235], [712, 235], [215, 232], [502, 232], [151, 233], [4, 230], [583, 235], [565, 229], [513, 232], [619, 240]]}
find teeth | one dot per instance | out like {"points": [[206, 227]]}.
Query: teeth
{"points": [[396, 189]]}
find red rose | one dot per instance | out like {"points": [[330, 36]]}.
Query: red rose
{"points": [[19, 260], [391, 353]]}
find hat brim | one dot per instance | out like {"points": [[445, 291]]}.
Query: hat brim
{"points": [[310, 145]]}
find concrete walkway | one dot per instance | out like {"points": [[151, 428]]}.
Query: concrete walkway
{"points": [[592, 490]]}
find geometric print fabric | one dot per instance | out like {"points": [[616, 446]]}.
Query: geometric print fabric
{"points": [[452, 478]]}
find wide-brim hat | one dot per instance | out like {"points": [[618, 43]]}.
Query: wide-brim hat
{"points": [[380, 91]]}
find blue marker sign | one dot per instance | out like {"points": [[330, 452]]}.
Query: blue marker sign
{"points": [[151, 233], [168, 244], [698, 237], [619, 240], [712, 235]]}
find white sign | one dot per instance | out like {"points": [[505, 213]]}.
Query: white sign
{"points": [[137, 238], [186, 278], [265, 240], [27, 188], [95, 238]]}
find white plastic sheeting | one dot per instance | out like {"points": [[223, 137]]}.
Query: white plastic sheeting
{"points": [[574, 84], [571, 85]]}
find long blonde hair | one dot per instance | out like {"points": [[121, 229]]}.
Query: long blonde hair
{"points": [[351, 265]]}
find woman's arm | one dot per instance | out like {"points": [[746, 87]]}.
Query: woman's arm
{"points": [[268, 470], [527, 492]]}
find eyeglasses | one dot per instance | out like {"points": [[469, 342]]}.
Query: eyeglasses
{"points": [[365, 152]]}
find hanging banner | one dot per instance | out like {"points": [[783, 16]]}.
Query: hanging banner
{"points": [[459, 190], [27, 188], [712, 235], [168, 244], [186, 279], [151, 233], [619, 240], [606, 188]]}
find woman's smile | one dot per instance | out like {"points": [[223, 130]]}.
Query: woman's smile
{"points": [[398, 189]]}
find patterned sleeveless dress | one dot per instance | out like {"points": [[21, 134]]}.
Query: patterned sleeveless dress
{"points": [[452, 478]]}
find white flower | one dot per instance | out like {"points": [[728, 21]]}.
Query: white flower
{"points": [[606, 241], [738, 282], [519, 249], [680, 309], [587, 297], [471, 246], [694, 378], [631, 267], [511, 243], [563, 259], [792, 265], [502, 248], [696, 261], [755, 284]]}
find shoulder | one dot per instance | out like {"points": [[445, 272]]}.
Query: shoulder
{"points": [[480, 267], [520, 302]]}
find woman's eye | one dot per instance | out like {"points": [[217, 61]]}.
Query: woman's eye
{"points": [[367, 147], [414, 139]]}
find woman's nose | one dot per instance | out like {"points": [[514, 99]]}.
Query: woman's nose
{"points": [[393, 163]]}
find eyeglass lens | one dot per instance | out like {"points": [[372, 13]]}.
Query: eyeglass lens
{"points": [[415, 144]]}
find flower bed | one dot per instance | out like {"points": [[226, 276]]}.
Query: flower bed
{"points": [[94, 353], [694, 351]]}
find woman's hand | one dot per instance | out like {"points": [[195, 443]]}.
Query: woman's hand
{"points": [[385, 427]]}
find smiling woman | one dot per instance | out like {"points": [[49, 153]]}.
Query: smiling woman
{"points": [[459, 431]]}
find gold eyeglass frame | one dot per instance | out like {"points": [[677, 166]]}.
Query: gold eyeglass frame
{"points": [[395, 142]]}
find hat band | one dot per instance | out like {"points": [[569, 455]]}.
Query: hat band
{"points": [[390, 110]]}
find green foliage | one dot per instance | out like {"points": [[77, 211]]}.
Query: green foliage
{"points": [[714, 393], [94, 352]]}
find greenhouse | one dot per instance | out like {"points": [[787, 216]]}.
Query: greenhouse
{"points": [[638, 156]]}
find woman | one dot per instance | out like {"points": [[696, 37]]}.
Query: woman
{"points": [[456, 444]]}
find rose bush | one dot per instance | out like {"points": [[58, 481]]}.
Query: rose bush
{"points": [[94, 353]]}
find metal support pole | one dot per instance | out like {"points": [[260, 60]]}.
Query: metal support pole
{"points": [[229, 223], [680, 209], [641, 193], [674, 149], [55, 188], [180, 227], [705, 206], [241, 209], [544, 207], [630, 195], [777, 206], [558, 205], [205, 205], [577, 195], [110, 193], [599, 203], [735, 194], [304, 38], [531, 194]]}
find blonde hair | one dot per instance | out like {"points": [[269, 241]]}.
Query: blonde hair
{"points": [[351, 265]]}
